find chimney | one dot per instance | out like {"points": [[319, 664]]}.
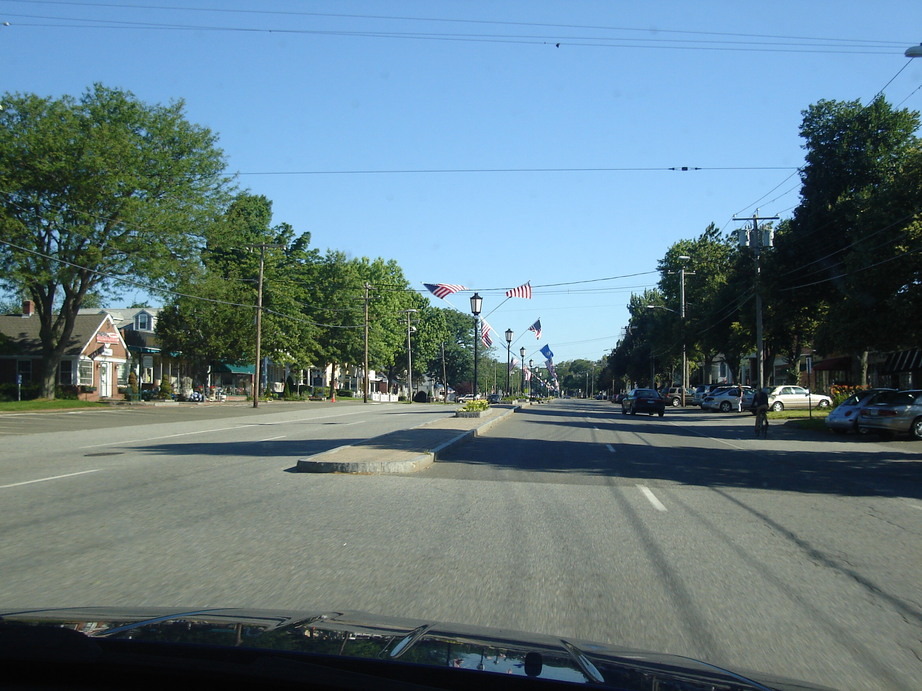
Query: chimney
{"points": [[28, 308]]}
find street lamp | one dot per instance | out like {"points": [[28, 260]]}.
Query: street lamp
{"points": [[531, 364], [509, 336], [522, 354], [476, 305], [410, 329]]}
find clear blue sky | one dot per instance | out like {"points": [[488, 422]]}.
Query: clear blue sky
{"points": [[307, 96]]}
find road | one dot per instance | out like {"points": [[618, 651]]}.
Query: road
{"points": [[798, 555]]}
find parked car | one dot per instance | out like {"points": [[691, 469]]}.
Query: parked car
{"points": [[844, 417], [894, 412], [700, 392], [781, 397], [724, 399], [643, 401], [673, 396], [494, 398]]}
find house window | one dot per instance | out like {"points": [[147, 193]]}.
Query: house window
{"points": [[66, 373], [24, 370], [143, 322], [86, 373], [123, 370]]}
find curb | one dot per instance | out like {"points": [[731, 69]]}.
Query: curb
{"points": [[417, 459]]}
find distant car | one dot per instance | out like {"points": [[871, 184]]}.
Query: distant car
{"points": [[466, 397], [844, 417], [894, 412], [643, 401], [781, 397], [725, 399], [494, 398], [673, 396]]}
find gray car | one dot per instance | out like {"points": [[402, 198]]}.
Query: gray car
{"points": [[844, 417], [895, 412]]}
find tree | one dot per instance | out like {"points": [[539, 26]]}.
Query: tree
{"points": [[849, 252], [212, 319], [96, 191]]}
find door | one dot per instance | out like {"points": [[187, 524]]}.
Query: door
{"points": [[105, 381]]}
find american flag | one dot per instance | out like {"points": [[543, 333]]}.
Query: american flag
{"points": [[536, 327], [441, 290], [527, 374], [523, 291], [512, 363], [485, 330]]}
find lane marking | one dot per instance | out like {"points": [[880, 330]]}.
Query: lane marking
{"points": [[610, 448], [168, 436], [46, 479], [274, 438], [657, 504]]}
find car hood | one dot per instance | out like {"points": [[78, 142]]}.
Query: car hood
{"points": [[368, 642]]}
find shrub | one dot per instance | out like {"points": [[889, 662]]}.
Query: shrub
{"points": [[473, 406]]}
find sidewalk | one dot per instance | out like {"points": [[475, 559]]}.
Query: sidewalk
{"points": [[403, 451]]}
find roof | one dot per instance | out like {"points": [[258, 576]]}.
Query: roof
{"points": [[122, 316], [22, 334]]}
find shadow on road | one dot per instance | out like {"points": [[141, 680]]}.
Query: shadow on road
{"points": [[641, 455]]}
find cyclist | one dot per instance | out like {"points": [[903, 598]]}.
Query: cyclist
{"points": [[760, 408]]}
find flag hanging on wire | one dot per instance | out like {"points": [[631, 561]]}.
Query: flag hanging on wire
{"points": [[523, 291], [536, 327], [547, 352], [512, 363], [442, 290], [485, 330], [527, 374]]}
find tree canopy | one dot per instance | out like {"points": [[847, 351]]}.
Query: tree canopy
{"points": [[97, 191]]}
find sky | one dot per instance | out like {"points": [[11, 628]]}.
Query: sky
{"points": [[490, 144]]}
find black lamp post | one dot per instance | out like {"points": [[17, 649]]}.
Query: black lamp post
{"points": [[509, 336], [476, 305]]}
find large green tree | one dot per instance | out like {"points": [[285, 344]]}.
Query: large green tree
{"points": [[97, 191], [852, 248]]}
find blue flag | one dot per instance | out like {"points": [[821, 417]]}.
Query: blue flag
{"points": [[546, 351]]}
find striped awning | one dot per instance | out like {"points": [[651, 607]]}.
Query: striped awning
{"points": [[903, 361]]}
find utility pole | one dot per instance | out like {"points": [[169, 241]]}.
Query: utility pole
{"points": [[682, 273], [367, 287], [757, 238], [259, 321]]}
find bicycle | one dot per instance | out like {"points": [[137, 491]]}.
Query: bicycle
{"points": [[762, 422]]}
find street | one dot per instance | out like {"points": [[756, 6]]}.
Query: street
{"points": [[797, 555]]}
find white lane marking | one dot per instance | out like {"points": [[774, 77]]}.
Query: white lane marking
{"points": [[657, 504], [274, 438], [610, 448], [167, 436], [46, 479]]}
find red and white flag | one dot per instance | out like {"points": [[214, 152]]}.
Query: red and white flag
{"points": [[441, 290], [485, 330], [523, 291]]}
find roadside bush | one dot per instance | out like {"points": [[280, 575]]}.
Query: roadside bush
{"points": [[29, 392], [344, 393], [474, 406], [421, 397]]}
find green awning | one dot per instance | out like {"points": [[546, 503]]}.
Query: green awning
{"points": [[231, 368]]}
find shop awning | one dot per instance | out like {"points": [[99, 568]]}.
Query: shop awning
{"points": [[838, 364], [231, 368], [903, 361]]}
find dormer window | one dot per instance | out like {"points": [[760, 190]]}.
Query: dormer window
{"points": [[143, 321]]}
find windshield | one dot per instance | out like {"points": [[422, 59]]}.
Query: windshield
{"points": [[454, 312]]}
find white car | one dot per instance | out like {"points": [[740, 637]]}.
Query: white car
{"points": [[724, 400], [781, 397]]}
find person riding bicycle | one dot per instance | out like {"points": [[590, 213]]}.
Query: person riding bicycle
{"points": [[760, 401], [760, 408]]}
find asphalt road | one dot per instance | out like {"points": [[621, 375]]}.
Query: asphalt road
{"points": [[798, 555]]}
